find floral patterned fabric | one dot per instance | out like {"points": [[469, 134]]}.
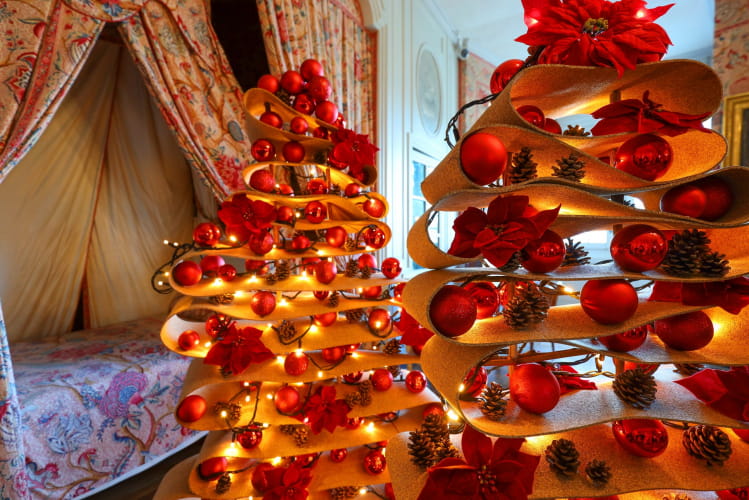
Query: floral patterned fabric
{"points": [[731, 50], [93, 408], [474, 75]]}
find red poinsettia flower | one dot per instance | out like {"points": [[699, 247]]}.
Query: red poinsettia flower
{"points": [[323, 411], [508, 225], [595, 32], [731, 295], [725, 391], [286, 483], [734, 494], [644, 116], [412, 332], [244, 217], [569, 383], [352, 150], [499, 472], [238, 348]]}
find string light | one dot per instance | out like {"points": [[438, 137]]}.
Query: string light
{"points": [[224, 415], [452, 415], [461, 388], [362, 491], [276, 460], [208, 345]]}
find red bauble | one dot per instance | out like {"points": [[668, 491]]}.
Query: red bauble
{"points": [[210, 264], [286, 190], [287, 399], [305, 460], [325, 271], [263, 303], [187, 273], [292, 82], [503, 74], [227, 272], [743, 434], [551, 125], [298, 125], [315, 212], [317, 186], [188, 339], [374, 462], [310, 68], [304, 104], [532, 114], [483, 158], [366, 260], [212, 468], [206, 234], [320, 89], [646, 156], [609, 301], [687, 199], [433, 409], [391, 267], [647, 368], [263, 150], [626, 341], [293, 152], [325, 319], [719, 197], [216, 324], [296, 363], [333, 354], [371, 292], [381, 379], [321, 294], [638, 248], [374, 207], [486, 297], [641, 437], [398, 291], [544, 254], [374, 237], [308, 265], [474, 381], [250, 438], [327, 111], [192, 408], [269, 83], [416, 381], [534, 388], [261, 243], [338, 455], [300, 242], [452, 311], [322, 133], [259, 267], [352, 378], [336, 236], [379, 320], [352, 189], [285, 214], [263, 180], [354, 422], [272, 118], [685, 332]]}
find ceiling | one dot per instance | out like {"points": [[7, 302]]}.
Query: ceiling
{"points": [[490, 27]]}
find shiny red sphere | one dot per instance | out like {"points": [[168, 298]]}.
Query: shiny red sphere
{"points": [[227, 272], [327, 111], [317, 186], [336, 236], [272, 118], [293, 152], [398, 291], [381, 379], [552, 126], [503, 74], [475, 381], [366, 260], [261, 243], [292, 82], [338, 455], [333, 354], [374, 207], [325, 271], [296, 363], [486, 296], [320, 89], [322, 133], [371, 292], [433, 409], [300, 242], [320, 294], [304, 103], [285, 214], [534, 388], [452, 311], [391, 267], [325, 319], [354, 423], [286, 190], [374, 237], [255, 266], [544, 254], [379, 320], [638, 248], [263, 150], [416, 381], [188, 340], [352, 378], [263, 303], [216, 325], [298, 125], [250, 438], [210, 264], [687, 199], [626, 341], [269, 83], [287, 399], [310, 68], [483, 158], [743, 434], [641, 437], [352, 189], [206, 234], [719, 197], [263, 180], [685, 332], [315, 212], [609, 301], [532, 114], [212, 468], [192, 408], [259, 480], [646, 156], [187, 273], [374, 462]]}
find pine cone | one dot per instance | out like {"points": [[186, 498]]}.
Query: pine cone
{"points": [[301, 435], [287, 428], [223, 484], [395, 370], [334, 299], [575, 254], [714, 265], [512, 264], [576, 130], [320, 157], [365, 272], [286, 330], [527, 308], [570, 168], [435, 426], [283, 271], [444, 449], [354, 315], [523, 167], [366, 399], [392, 347], [636, 388], [350, 244], [685, 253], [598, 472], [352, 269], [563, 457], [707, 443], [493, 402], [688, 368], [421, 448], [222, 300], [343, 492], [352, 399], [365, 386], [230, 411], [334, 189]]}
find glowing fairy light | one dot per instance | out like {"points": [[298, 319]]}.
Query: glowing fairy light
{"points": [[452, 415], [247, 399], [283, 302], [362, 491], [280, 359], [461, 388], [224, 415], [232, 238], [208, 345], [320, 374], [370, 427], [166, 242], [276, 460]]}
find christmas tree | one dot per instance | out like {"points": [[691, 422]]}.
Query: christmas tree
{"points": [[299, 373], [620, 378]]}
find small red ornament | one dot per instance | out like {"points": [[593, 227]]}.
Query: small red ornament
{"points": [[293, 152], [292, 82], [317, 186], [534, 388], [352, 347], [325, 319], [192, 408], [340, 122], [310, 68], [646, 156], [285, 214], [287, 399], [381, 379], [206, 234], [320, 89], [321, 133], [416, 381], [327, 111], [433, 409], [321, 294], [371, 292], [298, 125], [352, 378], [336, 236], [325, 271], [286, 190], [374, 462], [641, 437], [227, 272], [338, 455], [532, 114], [453, 311], [685, 332], [503, 74], [188, 339], [296, 363], [210, 264], [269, 83], [391, 267], [638, 248], [263, 180], [626, 341], [187, 273], [743, 434], [254, 266], [352, 189], [483, 158], [374, 207], [486, 297], [300, 242], [719, 197], [687, 199], [354, 423], [315, 212], [379, 320], [304, 104], [398, 291], [647, 368], [216, 324], [609, 301], [544, 254], [366, 260], [261, 243], [308, 264], [474, 381], [212, 468], [333, 354], [250, 438], [272, 118], [263, 150], [306, 460], [263, 303], [551, 125], [374, 237]]}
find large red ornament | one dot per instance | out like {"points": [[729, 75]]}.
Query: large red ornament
{"points": [[300, 242], [374, 462], [551, 125], [719, 197], [285, 214], [338, 455], [333, 354], [638, 248], [320, 89], [315, 212], [433, 409], [685, 332], [263, 150], [452, 311], [352, 189], [310, 68], [298, 125], [296, 363], [534, 388], [641, 437], [374, 207], [646, 156], [503, 74], [325, 319], [287, 399], [381, 379], [486, 297], [210, 264], [474, 381], [379, 320], [391, 267], [532, 114], [366, 260], [371, 292], [304, 104], [317, 186], [373, 237], [325, 271], [416, 381], [292, 82], [212, 468], [261, 243], [626, 341], [293, 152], [272, 118], [227, 272], [286, 190], [269, 83], [327, 111], [250, 438], [609, 301], [336, 236], [687, 199], [263, 303], [483, 158], [206, 234], [263, 180], [544, 254], [188, 339], [192, 408], [187, 273], [217, 324]]}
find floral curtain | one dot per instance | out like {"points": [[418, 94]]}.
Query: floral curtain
{"points": [[331, 31], [474, 75]]}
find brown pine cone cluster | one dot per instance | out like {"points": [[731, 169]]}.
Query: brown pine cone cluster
{"points": [[344, 492], [431, 443], [575, 254], [523, 167], [707, 443], [493, 401], [689, 254], [598, 472], [636, 388], [527, 308], [570, 168], [563, 457]]}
